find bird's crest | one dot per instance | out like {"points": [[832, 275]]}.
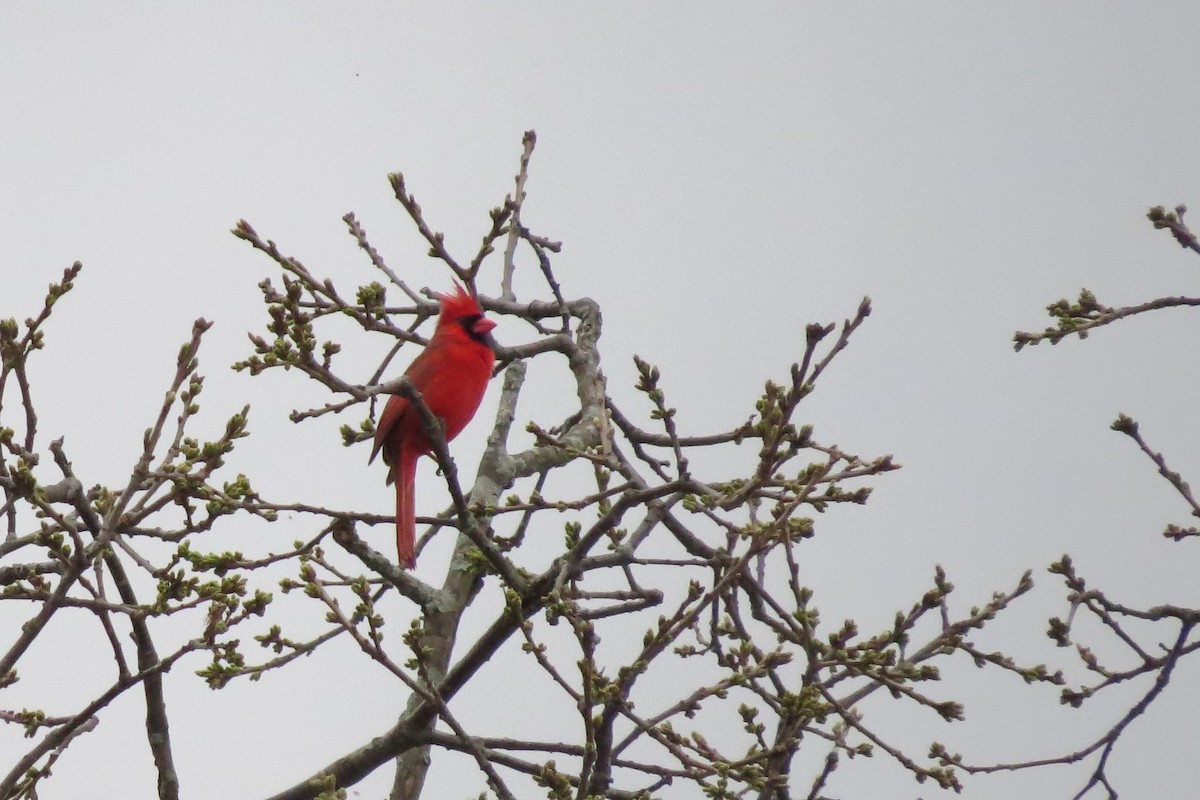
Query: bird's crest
{"points": [[458, 304]]}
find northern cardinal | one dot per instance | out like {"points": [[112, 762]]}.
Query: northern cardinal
{"points": [[451, 374]]}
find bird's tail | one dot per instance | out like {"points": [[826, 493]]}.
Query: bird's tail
{"points": [[406, 512]]}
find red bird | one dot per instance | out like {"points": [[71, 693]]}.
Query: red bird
{"points": [[451, 374]]}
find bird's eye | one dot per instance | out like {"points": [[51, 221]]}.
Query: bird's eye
{"points": [[469, 324], [477, 326]]}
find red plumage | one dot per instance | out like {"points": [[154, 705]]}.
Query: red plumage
{"points": [[451, 374]]}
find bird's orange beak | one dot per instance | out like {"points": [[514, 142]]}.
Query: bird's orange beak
{"points": [[482, 326]]}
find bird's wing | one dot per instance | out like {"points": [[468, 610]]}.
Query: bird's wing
{"points": [[393, 412]]}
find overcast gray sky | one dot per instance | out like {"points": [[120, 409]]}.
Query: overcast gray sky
{"points": [[727, 175]]}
